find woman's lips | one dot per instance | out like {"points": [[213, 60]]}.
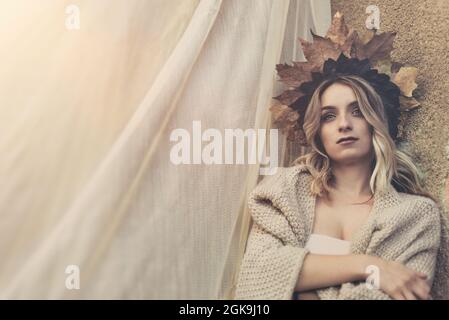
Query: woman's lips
{"points": [[349, 141]]}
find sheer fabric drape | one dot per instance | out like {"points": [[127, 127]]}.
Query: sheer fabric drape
{"points": [[86, 116]]}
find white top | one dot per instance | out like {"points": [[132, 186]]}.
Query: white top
{"points": [[326, 245]]}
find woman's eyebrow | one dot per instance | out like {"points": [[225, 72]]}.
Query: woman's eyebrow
{"points": [[355, 102]]}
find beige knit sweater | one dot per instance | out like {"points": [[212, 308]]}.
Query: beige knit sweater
{"points": [[407, 228]]}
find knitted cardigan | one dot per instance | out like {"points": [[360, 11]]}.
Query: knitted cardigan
{"points": [[407, 228]]}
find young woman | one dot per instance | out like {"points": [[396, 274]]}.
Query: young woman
{"points": [[351, 210]]}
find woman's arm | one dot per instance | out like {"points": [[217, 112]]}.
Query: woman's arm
{"points": [[398, 281], [405, 252], [319, 271]]}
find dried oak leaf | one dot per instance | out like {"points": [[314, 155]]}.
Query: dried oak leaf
{"points": [[405, 80]]}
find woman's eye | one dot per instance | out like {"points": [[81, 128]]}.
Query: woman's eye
{"points": [[358, 112], [329, 115], [326, 116]]}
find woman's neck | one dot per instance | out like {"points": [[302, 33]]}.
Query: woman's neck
{"points": [[351, 181]]}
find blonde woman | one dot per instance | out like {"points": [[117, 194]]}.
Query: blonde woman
{"points": [[350, 219]]}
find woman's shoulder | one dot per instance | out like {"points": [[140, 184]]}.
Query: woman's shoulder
{"points": [[284, 181], [417, 199], [418, 207], [284, 175]]}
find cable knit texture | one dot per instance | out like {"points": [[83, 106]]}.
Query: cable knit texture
{"points": [[406, 228]]}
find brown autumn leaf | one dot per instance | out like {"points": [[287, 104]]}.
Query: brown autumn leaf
{"points": [[298, 136], [367, 35], [293, 76], [358, 48], [284, 115], [286, 119], [347, 46], [407, 103], [338, 31], [405, 80], [318, 51], [340, 34], [383, 66], [378, 48], [289, 96], [339, 38]]}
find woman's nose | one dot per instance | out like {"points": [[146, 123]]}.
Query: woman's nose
{"points": [[344, 123]]}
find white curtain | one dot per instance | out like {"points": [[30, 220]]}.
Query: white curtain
{"points": [[90, 93]]}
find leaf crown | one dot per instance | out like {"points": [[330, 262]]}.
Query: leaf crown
{"points": [[343, 52]]}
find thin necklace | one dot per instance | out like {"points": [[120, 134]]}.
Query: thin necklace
{"points": [[363, 201]]}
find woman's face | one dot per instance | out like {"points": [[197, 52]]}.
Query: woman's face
{"points": [[341, 117]]}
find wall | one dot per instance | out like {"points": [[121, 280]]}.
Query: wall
{"points": [[422, 41]]}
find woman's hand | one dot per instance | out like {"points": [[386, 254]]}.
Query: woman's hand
{"points": [[400, 282]]}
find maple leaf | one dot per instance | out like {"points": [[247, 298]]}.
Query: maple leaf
{"points": [[338, 31], [319, 50], [288, 97], [367, 35], [340, 34], [378, 48], [302, 77], [349, 43], [287, 120], [405, 80], [293, 76], [284, 115]]}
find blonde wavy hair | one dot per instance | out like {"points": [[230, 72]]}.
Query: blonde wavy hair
{"points": [[390, 165]]}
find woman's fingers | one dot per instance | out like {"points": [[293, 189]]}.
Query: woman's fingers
{"points": [[409, 295], [422, 290], [402, 283], [398, 296]]}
